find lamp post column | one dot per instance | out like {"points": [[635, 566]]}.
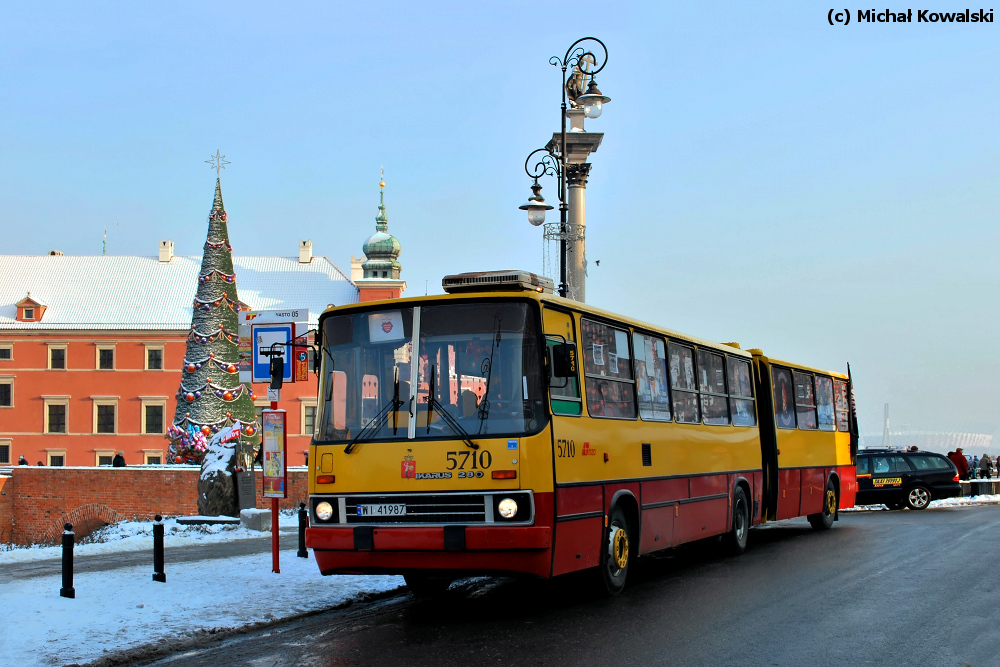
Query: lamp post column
{"points": [[576, 181]]}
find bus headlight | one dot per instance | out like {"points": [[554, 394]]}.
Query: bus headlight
{"points": [[507, 508], [324, 511]]}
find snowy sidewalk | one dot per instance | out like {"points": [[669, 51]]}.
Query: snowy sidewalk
{"points": [[218, 578], [124, 609]]}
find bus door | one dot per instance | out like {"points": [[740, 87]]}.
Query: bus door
{"points": [[579, 508], [768, 437]]}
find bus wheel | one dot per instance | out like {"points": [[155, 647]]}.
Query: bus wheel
{"points": [[424, 585], [918, 498], [616, 554], [735, 540], [824, 520]]}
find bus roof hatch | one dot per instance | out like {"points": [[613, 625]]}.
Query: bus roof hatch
{"points": [[496, 281]]}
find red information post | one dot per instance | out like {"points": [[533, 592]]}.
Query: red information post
{"points": [[275, 448]]}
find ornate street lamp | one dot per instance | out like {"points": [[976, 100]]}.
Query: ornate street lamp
{"points": [[585, 58]]}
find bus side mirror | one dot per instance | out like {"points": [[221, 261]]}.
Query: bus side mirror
{"points": [[277, 371], [562, 362]]}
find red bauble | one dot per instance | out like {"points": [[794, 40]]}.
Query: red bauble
{"points": [[250, 430], [230, 368], [206, 430], [178, 459], [253, 396], [191, 368], [189, 397], [212, 354], [228, 396]]}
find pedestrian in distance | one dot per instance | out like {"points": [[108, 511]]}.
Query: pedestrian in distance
{"points": [[985, 467], [119, 460], [958, 458], [974, 468], [22, 461], [40, 463]]}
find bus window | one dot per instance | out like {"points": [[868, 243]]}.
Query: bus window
{"points": [[805, 401], [784, 399], [824, 403], [651, 378], [741, 393], [840, 403], [565, 399], [712, 383], [682, 384], [608, 369]]}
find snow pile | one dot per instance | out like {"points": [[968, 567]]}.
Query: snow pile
{"points": [[124, 608], [138, 536], [220, 452], [963, 501]]}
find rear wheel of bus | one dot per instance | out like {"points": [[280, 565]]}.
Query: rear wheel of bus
{"points": [[735, 540], [824, 519], [616, 553]]}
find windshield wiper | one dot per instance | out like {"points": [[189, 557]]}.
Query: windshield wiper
{"points": [[487, 368], [382, 418], [446, 417]]}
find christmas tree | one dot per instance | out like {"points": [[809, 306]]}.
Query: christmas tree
{"points": [[211, 396]]}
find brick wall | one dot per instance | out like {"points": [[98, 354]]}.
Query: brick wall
{"points": [[35, 502]]}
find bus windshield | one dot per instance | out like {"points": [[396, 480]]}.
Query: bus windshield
{"points": [[481, 362]]}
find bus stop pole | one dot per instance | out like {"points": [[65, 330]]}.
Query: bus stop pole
{"points": [[275, 565]]}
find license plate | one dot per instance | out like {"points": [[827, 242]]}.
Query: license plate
{"points": [[395, 509]]}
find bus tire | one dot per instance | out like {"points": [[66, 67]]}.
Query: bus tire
{"points": [[616, 552], [425, 585], [824, 520], [735, 541]]}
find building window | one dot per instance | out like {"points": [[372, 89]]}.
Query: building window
{"points": [[6, 393], [6, 352], [308, 419], [5, 452], [153, 457], [57, 458], [154, 358], [57, 357], [152, 417], [29, 313], [104, 420], [105, 457], [106, 358], [55, 416]]}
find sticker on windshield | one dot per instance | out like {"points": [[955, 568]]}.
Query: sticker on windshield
{"points": [[384, 327], [512, 444]]}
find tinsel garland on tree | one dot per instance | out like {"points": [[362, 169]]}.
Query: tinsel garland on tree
{"points": [[211, 396]]}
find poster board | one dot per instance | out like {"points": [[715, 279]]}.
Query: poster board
{"points": [[274, 447]]}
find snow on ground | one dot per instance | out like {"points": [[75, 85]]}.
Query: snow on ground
{"points": [[138, 536], [124, 608], [945, 502]]}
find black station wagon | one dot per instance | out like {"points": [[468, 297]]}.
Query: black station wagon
{"points": [[912, 479]]}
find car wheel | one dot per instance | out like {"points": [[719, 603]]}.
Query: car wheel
{"points": [[918, 498], [616, 552], [824, 519], [735, 540], [424, 585]]}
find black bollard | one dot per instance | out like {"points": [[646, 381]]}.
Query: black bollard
{"points": [[303, 519], [158, 573], [68, 539]]}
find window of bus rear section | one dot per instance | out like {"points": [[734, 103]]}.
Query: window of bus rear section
{"points": [[481, 361]]}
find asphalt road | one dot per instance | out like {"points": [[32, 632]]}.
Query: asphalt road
{"points": [[880, 588]]}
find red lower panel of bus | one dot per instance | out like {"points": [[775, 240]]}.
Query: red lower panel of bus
{"points": [[801, 490], [537, 562]]}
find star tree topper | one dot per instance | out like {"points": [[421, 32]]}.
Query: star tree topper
{"points": [[217, 162]]}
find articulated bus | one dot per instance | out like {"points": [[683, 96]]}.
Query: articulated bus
{"points": [[499, 428]]}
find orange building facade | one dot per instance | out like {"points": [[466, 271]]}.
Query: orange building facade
{"points": [[91, 347]]}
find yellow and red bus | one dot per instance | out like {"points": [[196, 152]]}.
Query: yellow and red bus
{"points": [[502, 429]]}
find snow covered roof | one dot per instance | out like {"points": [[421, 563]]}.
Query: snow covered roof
{"points": [[120, 292]]}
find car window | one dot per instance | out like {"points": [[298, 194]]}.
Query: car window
{"points": [[900, 464], [864, 465], [880, 464], [922, 462]]}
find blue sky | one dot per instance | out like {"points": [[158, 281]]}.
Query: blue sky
{"points": [[826, 193]]}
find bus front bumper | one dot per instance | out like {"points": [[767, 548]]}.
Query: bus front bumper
{"points": [[378, 550]]}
